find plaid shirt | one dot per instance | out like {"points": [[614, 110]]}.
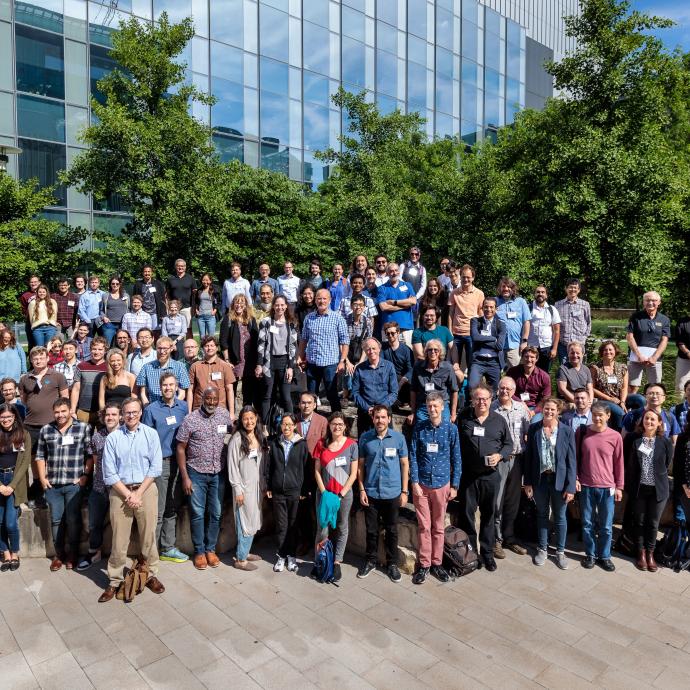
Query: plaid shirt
{"points": [[149, 377], [324, 333], [67, 306], [576, 320], [64, 459], [518, 420], [67, 370], [132, 322]]}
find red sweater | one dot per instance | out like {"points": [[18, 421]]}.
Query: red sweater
{"points": [[600, 458]]}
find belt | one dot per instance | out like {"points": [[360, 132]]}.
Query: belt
{"points": [[132, 487], [7, 469], [168, 457]]}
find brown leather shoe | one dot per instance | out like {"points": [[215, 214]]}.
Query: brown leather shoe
{"points": [[69, 564], [200, 562], [212, 560], [155, 585], [651, 563], [244, 565], [642, 560], [108, 593], [55, 565], [498, 550], [254, 557], [516, 548]]}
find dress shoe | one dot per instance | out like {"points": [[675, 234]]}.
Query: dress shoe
{"points": [[108, 593], [587, 562], [516, 548], [155, 585], [244, 565], [55, 564], [606, 564], [254, 557], [490, 563], [212, 560], [200, 562], [498, 551], [642, 560], [651, 563], [14, 564]]}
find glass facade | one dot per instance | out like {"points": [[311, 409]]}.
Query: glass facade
{"points": [[273, 65]]}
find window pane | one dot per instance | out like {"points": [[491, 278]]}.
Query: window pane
{"points": [[470, 41], [316, 89], [416, 50], [386, 37], [76, 199], [492, 82], [103, 21], [513, 60], [227, 115], [77, 121], [177, 9], [76, 82], [470, 11], [492, 21], [227, 62], [444, 93], [199, 55], [386, 73], [229, 148], [274, 76], [273, 30], [40, 119], [6, 114], [444, 28], [111, 224], [275, 157], [43, 161], [444, 126], [315, 172], [387, 10], [227, 21], [416, 17], [316, 41], [278, 4], [416, 84], [315, 127], [353, 62], [275, 124], [316, 11], [353, 24], [75, 19], [45, 14], [6, 77], [40, 62], [492, 51]]}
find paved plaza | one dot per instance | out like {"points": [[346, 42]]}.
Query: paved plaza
{"points": [[519, 627]]}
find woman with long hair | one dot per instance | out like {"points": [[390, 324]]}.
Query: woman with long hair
{"points": [[114, 306], [206, 306], [610, 381], [246, 459], [435, 295], [306, 304], [118, 384], [12, 357], [43, 316], [54, 347], [15, 460]]}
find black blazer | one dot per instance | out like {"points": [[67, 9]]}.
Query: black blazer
{"points": [[496, 341], [230, 341], [663, 454], [566, 463], [288, 478]]}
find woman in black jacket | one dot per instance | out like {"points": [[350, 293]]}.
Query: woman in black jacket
{"points": [[648, 455], [286, 483]]}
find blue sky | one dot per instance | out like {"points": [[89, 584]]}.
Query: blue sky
{"points": [[678, 11]]}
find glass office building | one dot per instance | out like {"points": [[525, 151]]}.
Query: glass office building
{"points": [[273, 65]]}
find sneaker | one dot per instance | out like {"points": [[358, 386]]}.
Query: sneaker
{"points": [[587, 562], [279, 565], [174, 555], [366, 569], [86, 562], [498, 551], [539, 557], [419, 577], [394, 573], [337, 572], [606, 564], [292, 564], [561, 561], [439, 572]]}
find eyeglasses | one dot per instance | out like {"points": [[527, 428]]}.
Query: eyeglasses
{"points": [[134, 413], [433, 349], [115, 282], [381, 261], [482, 400], [6, 419], [390, 333], [337, 424]]}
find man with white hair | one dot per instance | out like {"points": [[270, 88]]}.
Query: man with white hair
{"points": [[648, 334]]}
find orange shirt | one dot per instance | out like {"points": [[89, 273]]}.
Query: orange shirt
{"points": [[202, 374], [464, 306]]}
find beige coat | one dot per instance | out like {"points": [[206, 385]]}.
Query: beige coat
{"points": [[247, 478]]}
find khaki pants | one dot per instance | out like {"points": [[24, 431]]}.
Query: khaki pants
{"points": [[513, 357], [121, 517]]}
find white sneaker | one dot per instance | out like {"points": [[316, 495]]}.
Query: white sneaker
{"points": [[292, 564], [561, 561], [540, 557], [279, 565]]}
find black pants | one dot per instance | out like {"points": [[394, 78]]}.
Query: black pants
{"points": [[364, 422], [387, 510], [285, 508], [306, 518], [279, 364], [480, 492], [544, 362], [403, 392], [647, 513], [505, 518]]}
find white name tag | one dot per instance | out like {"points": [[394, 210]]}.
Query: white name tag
{"points": [[524, 397], [273, 329], [428, 387], [222, 428], [432, 447], [403, 288], [152, 289], [512, 315], [341, 461], [253, 454], [70, 303], [170, 420], [645, 450], [575, 312], [611, 379], [478, 431], [68, 440], [216, 375], [485, 331], [413, 272], [18, 450], [391, 452]]}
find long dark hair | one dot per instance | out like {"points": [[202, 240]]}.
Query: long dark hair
{"points": [[258, 431], [15, 436], [329, 436], [289, 315], [211, 287]]}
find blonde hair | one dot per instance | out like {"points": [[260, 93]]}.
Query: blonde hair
{"points": [[110, 380], [245, 317]]}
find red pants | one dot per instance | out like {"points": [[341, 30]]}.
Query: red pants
{"points": [[431, 517]]}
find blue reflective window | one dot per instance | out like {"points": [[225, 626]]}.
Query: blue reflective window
{"points": [[273, 34], [416, 49], [492, 51], [444, 62], [356, 4], [316, 89], [227, 62], [444, 93], [444, 126], [40, 62], [468, 132], [40, 119], [315, 11], [492, 21], [227, 21], [227, 115], [316, 41], [416, 84], [470, 11], [444, 28], [274, 121], [492, 82], [513, 60], [177, 9], [354, 62], [283, 5], [229, 148], [385, 104], [315, 127], [275, 157], [101, 65], [468, 101], [416, 17], [386, 73], [315, 172], [386, 38], [512, 92], [513, 32], [45, 14], [274, 76], [353, 24], [470, 41], [387, 11], [43, 161]]}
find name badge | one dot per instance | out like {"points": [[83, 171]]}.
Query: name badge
{"points": [[612, 491], [68, 440], [253, 455], [645, 450], [341, 461], [391, 452], [611, 379], [222, 428], [485, 331], [575, 312], [273, 329], [412, 271], [403, 288], [170, 420], [428, 387], [512, 315], [216, 375], [432, 447], [478, 431], [18, 450], [152, 289], [524, 396], [70, 303]]}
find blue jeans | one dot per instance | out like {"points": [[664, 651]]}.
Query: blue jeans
{"points": [[244, 543], [489, 369], [205, 505], [64, 501], [464, 343], [596, 506], [108, 331], [617, 414], [635, 401], [8, 518], [99, 507], [545, 495], [207, 324], [328, 375], [43, 334]]}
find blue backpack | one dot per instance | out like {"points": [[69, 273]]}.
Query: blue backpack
{"points": [[323, 563]]}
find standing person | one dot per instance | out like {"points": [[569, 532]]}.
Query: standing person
{"points": [[235, 285], [211, 370], [60, 458], [485, 441], [381, 266], [433, 375], [143, 354], [514, 312], [383, 475], [574, 375], [87, 383], [335, 469], [99, 501], [402, 358], [648, 456], [8, 387], [206, 306], [191, 353], [148, 379], [532, 384], [25, 299], [182, 287], [488, 335], [600, 483], [414, 273], [286, 486], [83, 341], [90, 305], [67, 305], [263, 279], [359, 330], [12, 357], [464, 303], [175, 327], [396, 301], [118, 384], [54, 347], [359, 264], [201, 460], [314, 280], [306, 304], [15, 460], [152, 292], [79, 284], [246, 458], [436, 296], [648, 334], [581, 414], [435, 469], [131, 463], [113, 307], [430, 327], [337, 286], [135, 320], [165, 416], [682, 338], [545, 328], [444, 277], [43, 316], [576, 319], [518, 418], [123, 341], [357, 288], [323, 348], [655, 396], [263, 306], [288, 284], [610, 381], [550, 473]]}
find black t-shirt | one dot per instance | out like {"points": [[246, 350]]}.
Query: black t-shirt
{"points": [[181, 288], [647, 331], [683, 335]]}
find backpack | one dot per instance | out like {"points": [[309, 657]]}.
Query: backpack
{"points": [[324, 561], [673, 550], [134, 582], [459, 558], [526, 520], [275, 417]]}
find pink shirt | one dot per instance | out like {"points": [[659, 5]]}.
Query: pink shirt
{"points": [[600, 458]]}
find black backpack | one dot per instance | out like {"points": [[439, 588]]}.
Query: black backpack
{"points": [[459, 558], [673, 551], [526, 520]]}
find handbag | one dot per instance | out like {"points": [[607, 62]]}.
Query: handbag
{"points": [[135, 581]]}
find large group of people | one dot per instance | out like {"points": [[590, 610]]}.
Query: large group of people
{"points": [[118, 404]]}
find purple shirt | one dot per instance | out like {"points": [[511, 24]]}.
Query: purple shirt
{"points": [[205, 439], [537, 386]]}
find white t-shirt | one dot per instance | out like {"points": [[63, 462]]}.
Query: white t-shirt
{"points": [[289, 287], [540, 332]]}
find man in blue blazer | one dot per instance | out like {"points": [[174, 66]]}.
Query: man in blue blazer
{"points": [[488, 334]]}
